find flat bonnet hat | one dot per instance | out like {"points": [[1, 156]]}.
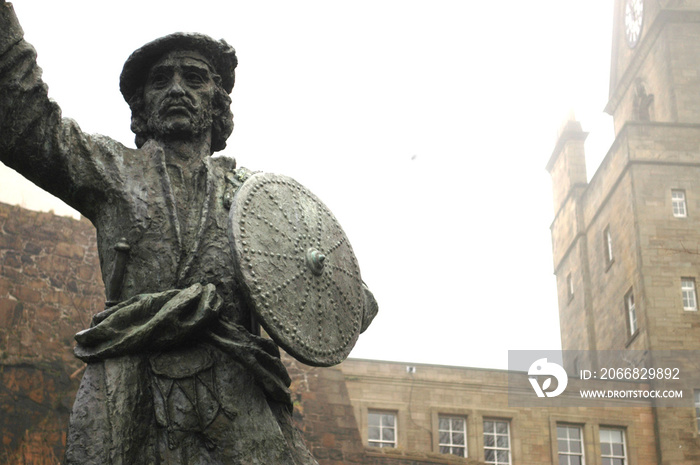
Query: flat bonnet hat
{"points": [[220, 55]]}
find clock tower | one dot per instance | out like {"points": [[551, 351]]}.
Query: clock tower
{"points": [[655, 68], [626, 242]]}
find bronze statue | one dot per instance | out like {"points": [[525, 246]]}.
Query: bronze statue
{"points": [[195, 253]]}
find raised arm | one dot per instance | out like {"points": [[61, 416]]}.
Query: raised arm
{"points": [[35, 140]]}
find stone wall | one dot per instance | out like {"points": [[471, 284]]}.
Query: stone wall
{"points": [[49, 288]]}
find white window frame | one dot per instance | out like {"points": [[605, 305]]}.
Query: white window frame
{"points": [[451, 431], [678, 203], [631, 309], [611, 458], [607, 244], [568, 440], [381, 441], [493, 432], [697, 408], [570, 286], [690, 301]]}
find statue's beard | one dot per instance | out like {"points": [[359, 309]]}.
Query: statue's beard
{"points": [[190, 122]]}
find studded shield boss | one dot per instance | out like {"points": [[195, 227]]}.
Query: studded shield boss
{"points": [[297, 268]]}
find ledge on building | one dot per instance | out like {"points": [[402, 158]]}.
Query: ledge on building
{"points": [[402, 456]]}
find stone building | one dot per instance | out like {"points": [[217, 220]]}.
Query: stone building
{"points": [[626, 258], [625, 244], [471, 412]]}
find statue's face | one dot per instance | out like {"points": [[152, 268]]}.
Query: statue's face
{"points": [[178, 96]]}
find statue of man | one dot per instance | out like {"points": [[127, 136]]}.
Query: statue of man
{"points": [[176, 371]]}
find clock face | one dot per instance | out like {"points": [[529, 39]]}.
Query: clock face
{"points": [[634, 13]]}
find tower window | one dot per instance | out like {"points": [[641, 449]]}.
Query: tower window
{"points": [[607, 246], [631, 312], [569, 286], [690, 301], [678, 203]]}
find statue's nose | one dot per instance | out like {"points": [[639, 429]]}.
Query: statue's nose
{"points": [[176, 87]]}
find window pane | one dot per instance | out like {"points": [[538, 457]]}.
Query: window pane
{"points": [[458, 439], [501, 441], [604, 448], [444, 423], [489, 440], [502, 456], [615, 435], [488, 427], [575, 460], [502, 427], [387, 420], [388, 434], [373, 419], [563, 460], [373, 432], [618, 450], [490, 455], [458, 424], [444, 437], [561, 432], [563, 445], [444, 450], [575, 446]]}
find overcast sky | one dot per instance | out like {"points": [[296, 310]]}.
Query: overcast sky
{"points": [[425, 126]]}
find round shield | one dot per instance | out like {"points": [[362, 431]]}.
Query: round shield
{"points": [[298, 269]]}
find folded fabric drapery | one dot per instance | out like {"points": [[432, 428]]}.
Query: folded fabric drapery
{"points": [[165, 320]]}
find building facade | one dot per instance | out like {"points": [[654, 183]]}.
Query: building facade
{"points": [[626, 250], [470, 412], [626, 244]]}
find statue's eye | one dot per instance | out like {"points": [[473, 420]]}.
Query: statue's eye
{"points": [[194, 79], [159, 80]]}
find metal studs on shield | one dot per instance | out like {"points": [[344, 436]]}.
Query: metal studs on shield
{"points": [[298, 268]]}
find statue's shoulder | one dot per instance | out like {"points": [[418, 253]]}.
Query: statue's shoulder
{"points": [[234, 175], [112, 149]]}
